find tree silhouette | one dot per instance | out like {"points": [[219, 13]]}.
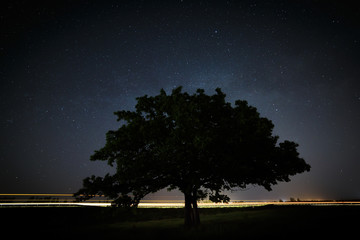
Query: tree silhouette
{"points": [[199, 144]]}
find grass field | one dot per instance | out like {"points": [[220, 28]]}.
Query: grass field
{"points": [[276, 222]]}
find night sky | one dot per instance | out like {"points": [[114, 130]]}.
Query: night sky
{"points": [[66, 67]]}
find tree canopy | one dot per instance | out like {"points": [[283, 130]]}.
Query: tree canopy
{"points": [[199, 144]]}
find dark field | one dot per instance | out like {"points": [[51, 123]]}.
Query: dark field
{"points": [[275, 222]]}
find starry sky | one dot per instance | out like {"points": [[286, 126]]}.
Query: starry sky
{"points": [[66, 66]]}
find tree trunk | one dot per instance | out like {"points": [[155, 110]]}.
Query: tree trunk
{"points": [[192, 218], [195, 209], [189, 215]]}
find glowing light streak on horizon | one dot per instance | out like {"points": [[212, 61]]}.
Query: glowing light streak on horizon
{"points": [[172, 205], [24, 199]]}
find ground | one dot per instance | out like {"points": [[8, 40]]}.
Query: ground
{"points": [[276, 222]]}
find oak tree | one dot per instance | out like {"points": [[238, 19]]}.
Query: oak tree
{"points": [[199, 144]]}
